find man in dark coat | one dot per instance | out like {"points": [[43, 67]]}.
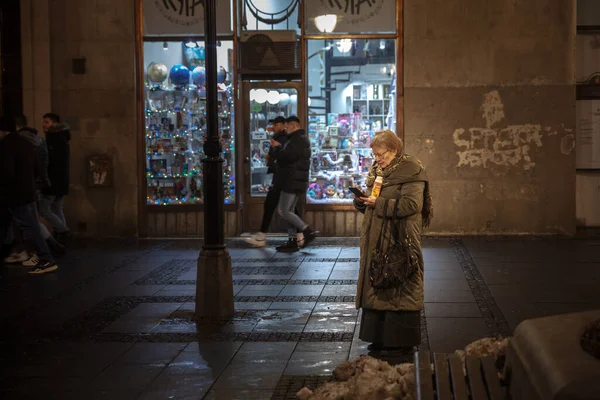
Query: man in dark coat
{"points": [[272, 199], [42, 182], [58, 137], [19, 170], [291, 177]]}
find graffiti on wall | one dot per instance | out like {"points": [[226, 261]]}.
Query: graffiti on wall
{"points": [[494, 144]]}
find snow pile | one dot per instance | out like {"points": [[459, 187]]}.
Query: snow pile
{"points": [[369, 378]]}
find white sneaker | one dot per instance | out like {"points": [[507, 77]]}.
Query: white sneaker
{"points": [[257, 240], [43, 267], [17, 257], [32, 262]]}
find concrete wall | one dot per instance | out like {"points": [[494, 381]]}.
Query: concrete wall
{"points": [[99, 105], [490, 109]]}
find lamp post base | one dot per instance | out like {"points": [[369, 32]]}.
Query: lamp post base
{"points": [[214, 284]]}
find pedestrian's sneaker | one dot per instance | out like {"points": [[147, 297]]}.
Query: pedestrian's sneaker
{"points": [[309, 235], [256, 240], [43, 267], [33, 261], [290, 246], [17, 257]]}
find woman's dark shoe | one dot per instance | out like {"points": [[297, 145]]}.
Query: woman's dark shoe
{"points": [[375, 347]]}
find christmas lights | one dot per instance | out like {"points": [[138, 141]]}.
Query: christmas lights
{"points": [[175, 135]]}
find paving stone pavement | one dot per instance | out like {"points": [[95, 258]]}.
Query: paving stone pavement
{"points": [[116, 321]]}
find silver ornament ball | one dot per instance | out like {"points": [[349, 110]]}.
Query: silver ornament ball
{"points": [[157, 72]]}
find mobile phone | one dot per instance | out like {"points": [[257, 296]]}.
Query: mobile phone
{"points": [[357, 192]]}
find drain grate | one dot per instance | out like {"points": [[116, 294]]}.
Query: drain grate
{"points": [[288, 386]]}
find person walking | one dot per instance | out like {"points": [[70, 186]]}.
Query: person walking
{"points": [[58, 137], [291, 178], [19, 169], [273, 194], [42, 182], [397, 207]]}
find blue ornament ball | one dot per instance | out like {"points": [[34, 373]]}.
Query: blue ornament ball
{"points": [[179, 75], [221, 75], [202, 53], [199, 76]]}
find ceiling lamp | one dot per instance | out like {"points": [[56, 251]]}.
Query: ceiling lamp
{"points": [[284, 99], [191, 45], [260, 96], [344, 45], [326, 23], [273, 97], [165, 46]]}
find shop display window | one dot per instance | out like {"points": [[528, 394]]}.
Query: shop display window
{"points": [[342, 120], [175, 113], [265, 105]]}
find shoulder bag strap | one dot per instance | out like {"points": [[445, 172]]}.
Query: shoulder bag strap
{"points": [[383, 225], [395, 234]]}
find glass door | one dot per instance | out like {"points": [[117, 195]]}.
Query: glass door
{"points": [[264, 101]]}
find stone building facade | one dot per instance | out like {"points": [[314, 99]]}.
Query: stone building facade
{"points": [[489, 107]]}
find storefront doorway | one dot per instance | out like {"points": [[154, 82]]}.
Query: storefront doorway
{"points": [[262, 102]]}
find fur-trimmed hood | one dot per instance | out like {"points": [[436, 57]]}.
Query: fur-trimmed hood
{"points": [[60, 130]]}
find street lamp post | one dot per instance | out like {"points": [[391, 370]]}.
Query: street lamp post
{"points": [[214, 284]]}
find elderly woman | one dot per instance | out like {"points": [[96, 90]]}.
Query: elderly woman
{"points": [[391, 313]]}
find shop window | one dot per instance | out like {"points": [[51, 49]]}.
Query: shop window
{"points": [[350, 16], [269, 15], [351, 96], [175, 106]]}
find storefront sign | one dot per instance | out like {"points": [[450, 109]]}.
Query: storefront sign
{"points": [[182, 17], [354, 16]]}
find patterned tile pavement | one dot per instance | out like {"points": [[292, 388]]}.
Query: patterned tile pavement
{"points": [[117, 320]]}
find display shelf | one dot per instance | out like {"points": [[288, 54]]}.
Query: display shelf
{"points": [[175, 116], [341, 155]]}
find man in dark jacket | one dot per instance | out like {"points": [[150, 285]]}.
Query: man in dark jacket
{"points": [[291, 177], [19, 169], [42, 182], [58, 137], [272, 199]]}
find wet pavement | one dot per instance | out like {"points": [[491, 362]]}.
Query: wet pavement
{"points": [[116, 321]]}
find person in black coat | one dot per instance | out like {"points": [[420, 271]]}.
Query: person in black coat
{"points": [[19, 170], [272, 198], [58, 137], [291, 178]]}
